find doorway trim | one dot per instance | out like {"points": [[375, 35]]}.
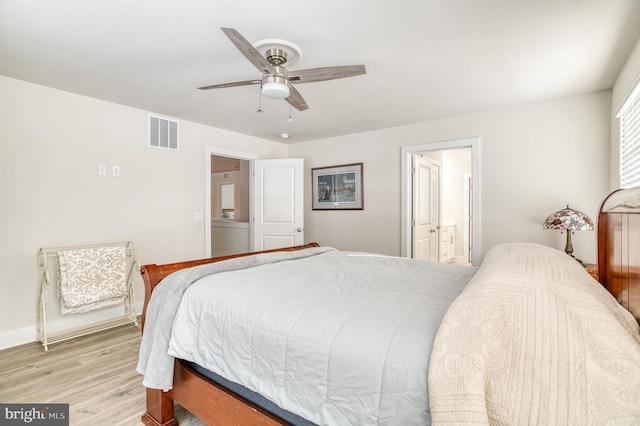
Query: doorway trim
{"points": [[466, 214], [405, 196], [220, 152]]}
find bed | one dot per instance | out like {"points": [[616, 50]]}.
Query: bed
{"points": [[529, 337]]}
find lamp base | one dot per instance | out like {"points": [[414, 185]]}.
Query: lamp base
{"points": [[568, 248]]}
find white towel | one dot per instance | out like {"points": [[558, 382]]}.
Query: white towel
{"points": [[91, 278]]}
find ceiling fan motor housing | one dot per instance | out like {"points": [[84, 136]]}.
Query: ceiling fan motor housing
{"points": [[276, 56]]}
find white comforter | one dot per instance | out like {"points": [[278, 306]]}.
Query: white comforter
{"points": [[534, 340], [337, 337]]}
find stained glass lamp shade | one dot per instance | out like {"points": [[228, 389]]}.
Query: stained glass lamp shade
{"points": [[569, 220]]}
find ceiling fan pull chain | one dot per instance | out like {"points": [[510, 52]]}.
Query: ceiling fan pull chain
{"points": [[259, 111], [289, 113]]}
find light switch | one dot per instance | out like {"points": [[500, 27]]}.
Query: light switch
{"points": [[198, 217]]}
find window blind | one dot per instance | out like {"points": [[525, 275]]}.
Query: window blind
{"points": [[630, 140]]}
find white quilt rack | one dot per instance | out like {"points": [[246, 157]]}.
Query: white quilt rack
{"points": [[129, 316]]}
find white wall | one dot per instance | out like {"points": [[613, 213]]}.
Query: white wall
{"points": [[626, 81], [535, 159], [51, 194]]}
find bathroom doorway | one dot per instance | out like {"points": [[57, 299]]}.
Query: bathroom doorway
{"points": [[230, 205]]}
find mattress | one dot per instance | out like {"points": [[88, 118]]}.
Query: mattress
{"points": [[333, 337]]}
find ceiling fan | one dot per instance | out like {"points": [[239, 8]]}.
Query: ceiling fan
{"points": [[277, 82]]}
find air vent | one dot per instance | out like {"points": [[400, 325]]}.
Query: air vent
{"points": [[163, 133]]}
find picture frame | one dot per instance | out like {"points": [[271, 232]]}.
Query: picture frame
{"points": [[337, 187]]}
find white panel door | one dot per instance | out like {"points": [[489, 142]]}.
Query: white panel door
{"points": [[426, 195], [278, 203]]}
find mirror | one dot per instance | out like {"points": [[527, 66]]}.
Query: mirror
{"points": [[227, 200]]}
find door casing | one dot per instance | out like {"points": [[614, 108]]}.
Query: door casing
{"points": [[406, 198]]}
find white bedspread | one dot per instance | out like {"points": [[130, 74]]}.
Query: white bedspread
{"points": [[337, 338], [534, 340]]}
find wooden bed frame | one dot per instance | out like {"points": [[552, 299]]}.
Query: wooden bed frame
{"points": [[619, 247], [618, 270], [212, 403]]}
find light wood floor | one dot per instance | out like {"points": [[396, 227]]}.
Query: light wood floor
{"points": [[96, 375]]}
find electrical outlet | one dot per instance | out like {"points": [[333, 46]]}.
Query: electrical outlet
{"points": [[198, 217], [102, 170], [116, 171]]}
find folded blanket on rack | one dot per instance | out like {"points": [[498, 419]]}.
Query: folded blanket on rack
{"points": [[91, 278]]}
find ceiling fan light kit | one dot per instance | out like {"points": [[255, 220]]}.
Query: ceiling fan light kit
{"points": [[269, 57], [276, 86], [275, 90]]}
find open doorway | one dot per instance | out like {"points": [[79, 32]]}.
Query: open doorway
{"points": [[457, 230], [227, 202], [455, 238], [230, 205]]}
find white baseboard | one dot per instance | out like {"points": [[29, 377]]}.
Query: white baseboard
{"points": [[11, 338], [21, 336]]}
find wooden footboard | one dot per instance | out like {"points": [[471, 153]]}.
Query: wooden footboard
{"points": [[207, 400]]}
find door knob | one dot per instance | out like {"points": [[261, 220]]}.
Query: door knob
{"points": [[299, 230]]}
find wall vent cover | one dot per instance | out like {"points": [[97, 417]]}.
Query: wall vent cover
{"points": [[163, 133]]}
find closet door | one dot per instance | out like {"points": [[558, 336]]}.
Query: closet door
{"points": [[278, 203]]}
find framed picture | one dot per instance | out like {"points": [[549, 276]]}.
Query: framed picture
{"points": [[337, 187]]}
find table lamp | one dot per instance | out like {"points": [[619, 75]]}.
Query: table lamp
{"points": [[569, 220]]}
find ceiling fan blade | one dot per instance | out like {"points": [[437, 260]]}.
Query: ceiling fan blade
{"points": [[250, 52], [295, 100], [326, 73], [234, 84]]}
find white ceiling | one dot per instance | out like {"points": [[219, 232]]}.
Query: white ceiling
{"points": [[425, 59]]}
